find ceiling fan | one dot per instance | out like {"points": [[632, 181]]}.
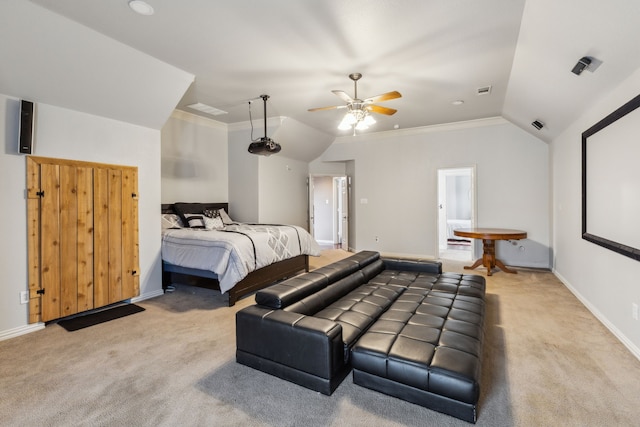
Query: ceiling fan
{"points": [[358, 109]]}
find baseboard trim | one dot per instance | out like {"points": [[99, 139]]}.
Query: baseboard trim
{"points": [[21, 330], [27, 329], [607, 324], [406, 256], [147, 295]]}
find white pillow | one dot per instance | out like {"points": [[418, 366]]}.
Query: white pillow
{"points": [[195, 220], [225, 217]]}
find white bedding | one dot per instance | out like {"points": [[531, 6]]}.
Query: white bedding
{"points": [[454, 224], [230, 253]]}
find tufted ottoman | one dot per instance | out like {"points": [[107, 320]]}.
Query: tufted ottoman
{"points": [[427, 347]]}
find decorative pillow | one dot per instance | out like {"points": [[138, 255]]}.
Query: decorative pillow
{"points": [[213, 223], [171, 221], [211, 213], [182, 209], [214, 218], [225, 218], [195, 220]]}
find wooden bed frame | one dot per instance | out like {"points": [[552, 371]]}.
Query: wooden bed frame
{"points": [[255, 281]]}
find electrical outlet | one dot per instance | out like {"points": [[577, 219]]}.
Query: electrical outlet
{"points": [[634, 310], [24, 297]]}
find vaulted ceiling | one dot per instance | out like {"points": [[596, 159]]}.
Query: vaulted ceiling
{"points": [[434, 52]]}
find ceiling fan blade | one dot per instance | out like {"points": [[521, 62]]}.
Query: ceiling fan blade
{"points": [[343, 95], [335, 107], [384, 97], [381, 110]]}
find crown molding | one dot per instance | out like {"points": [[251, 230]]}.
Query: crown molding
{"points": [[198, 120], [444, 127]]}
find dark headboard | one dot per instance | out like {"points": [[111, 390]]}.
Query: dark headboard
{"points": [[168, 208]]}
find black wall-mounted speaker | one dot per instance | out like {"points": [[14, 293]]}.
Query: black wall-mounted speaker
{"points": [[26, 127]]}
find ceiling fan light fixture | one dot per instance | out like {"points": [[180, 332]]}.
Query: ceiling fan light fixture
{"points": [[344, 124], [358, 118], [349, 119], [369, 120], [359, 111]]}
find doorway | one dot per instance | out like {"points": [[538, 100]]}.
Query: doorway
{"points": [[456, 209], [328, 211]]}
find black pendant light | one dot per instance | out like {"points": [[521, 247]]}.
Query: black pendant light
{"points": [[264, 146]]}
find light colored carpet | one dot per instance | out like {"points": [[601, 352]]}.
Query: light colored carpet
{"points": [[328, 256], [547, 362]]}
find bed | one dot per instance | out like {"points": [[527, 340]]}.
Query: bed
{"points": [[455, 224], [202, 246]]}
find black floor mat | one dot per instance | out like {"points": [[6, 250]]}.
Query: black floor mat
{"points": [[87, 320]]}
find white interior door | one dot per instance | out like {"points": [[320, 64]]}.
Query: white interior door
{"points": [[310, 221], [343, 212], [328, 210], [456, 209]]}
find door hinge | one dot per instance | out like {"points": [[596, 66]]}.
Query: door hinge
{"points": [[40, 193], [40, 291]]}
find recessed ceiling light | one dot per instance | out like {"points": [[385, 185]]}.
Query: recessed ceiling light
{"points": [[141, 7]]}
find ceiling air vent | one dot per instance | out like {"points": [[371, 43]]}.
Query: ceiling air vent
{"points": [[484, 90], [207, 109]]}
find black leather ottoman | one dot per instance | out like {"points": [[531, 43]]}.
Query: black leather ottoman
{"points": [[427, 348]]}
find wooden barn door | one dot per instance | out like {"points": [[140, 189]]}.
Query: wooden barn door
{"points": [[83, 236]]}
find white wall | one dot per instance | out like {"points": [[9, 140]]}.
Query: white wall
{"points": [[243, 177], [283, 195], [318, 167], [395, 186], [54, 60], [67, 134], [194, 159], [605, 281], [323, 205], [267, 189]]}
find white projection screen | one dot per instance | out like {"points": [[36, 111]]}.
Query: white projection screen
{"points": [[611, 181]]}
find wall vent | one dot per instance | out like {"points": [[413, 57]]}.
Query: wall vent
{"points": [[486, 90]]}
